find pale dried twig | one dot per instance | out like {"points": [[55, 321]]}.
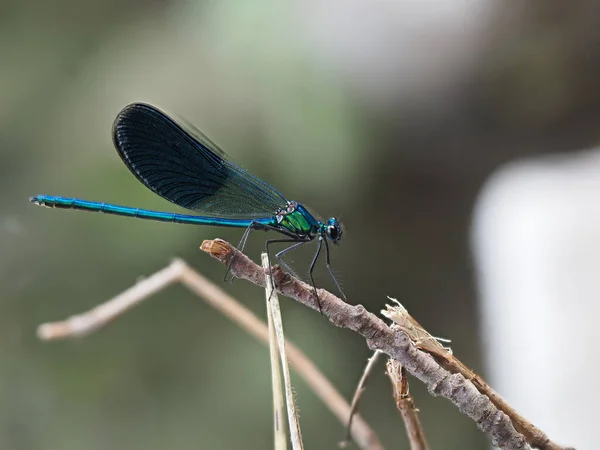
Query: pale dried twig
{"points": [[279, 433], [179, 272], [274, 314]]}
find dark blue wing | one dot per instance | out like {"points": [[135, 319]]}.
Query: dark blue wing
{"points": [[183, 166]]}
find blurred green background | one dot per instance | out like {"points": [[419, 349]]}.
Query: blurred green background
{"points": [[392, 113]]}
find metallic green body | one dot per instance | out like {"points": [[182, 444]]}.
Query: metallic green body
{"points": [[298, 220]]}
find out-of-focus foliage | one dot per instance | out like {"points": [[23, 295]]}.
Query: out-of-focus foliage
{"points": [[393, 113]]}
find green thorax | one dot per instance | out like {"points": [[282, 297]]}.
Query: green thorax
{"points": [[297, 219]]}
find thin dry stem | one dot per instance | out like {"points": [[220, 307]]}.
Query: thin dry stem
{"points": [[406, 405], [360, 388], [279, 433], [83, 324], [274, 313], [179, 272]]}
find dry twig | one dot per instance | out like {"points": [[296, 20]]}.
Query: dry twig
{"points": [[404, 401], [360, 388], [179, 272], [453, 386], [406, 405], [279, 433], [275, 322]]}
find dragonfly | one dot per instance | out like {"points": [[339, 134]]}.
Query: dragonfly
{"points": [[181, 164]]}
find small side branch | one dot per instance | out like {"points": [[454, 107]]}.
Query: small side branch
{"points": [[81, 325], [360, 388], [396, 344], [406, 405]]}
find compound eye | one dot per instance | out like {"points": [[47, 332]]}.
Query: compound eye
{"points": [[333, 233]]}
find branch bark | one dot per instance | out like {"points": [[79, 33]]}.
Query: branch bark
{"points": [[379, 336], [426, 342]]}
